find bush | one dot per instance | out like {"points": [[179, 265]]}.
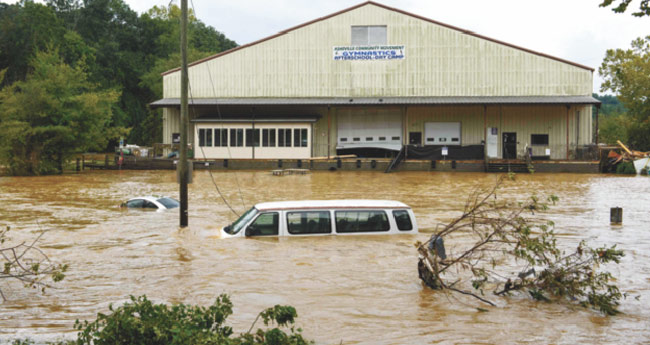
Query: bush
{"points": [[626, 168], [142, 322]]}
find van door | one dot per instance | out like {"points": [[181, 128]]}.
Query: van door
{"points": [[266, 224]]}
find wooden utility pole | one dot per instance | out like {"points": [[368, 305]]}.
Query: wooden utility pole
{"points": [[182, 162]]}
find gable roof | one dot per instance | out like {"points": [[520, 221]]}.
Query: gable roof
{"points": [[466, 32]]}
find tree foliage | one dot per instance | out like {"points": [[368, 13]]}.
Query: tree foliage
{"points": [[142, 322], [620, 6], [51, 115], [627, 73], [119, 49], [508, 238]]}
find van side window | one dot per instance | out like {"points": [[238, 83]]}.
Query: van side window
{"points": [[266, 224], [361, 221], [315, 222], [403, 220]]}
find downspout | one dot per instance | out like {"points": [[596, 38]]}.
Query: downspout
{"points": [[253, 132], [567, 131], [329, 126], [405, 141], [485, 132], [597, 111]]}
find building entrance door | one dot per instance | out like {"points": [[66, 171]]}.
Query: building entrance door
{"points": [[509, 145]]}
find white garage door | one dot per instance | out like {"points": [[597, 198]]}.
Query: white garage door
{"points": [[442, 133], [369, 129]]}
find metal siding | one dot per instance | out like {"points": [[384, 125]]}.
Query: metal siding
{"points": [[171, 124], [528, 120], [439, 62]]}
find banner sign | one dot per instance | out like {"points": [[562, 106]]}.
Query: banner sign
{"points": [[369, 53]]}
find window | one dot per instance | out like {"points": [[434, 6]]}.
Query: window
{"points": [[137, 203], [220, 137], [316, 222], [265, 225], [284, 137], [361, 221], [252, 137], [296, 137], [403, 220], [368, 138], [368, 35], [149, 204], [268, 137], [168, 202], [539, 139], [236, 137], [205, 137], [356, 139], [415, 138], [344, 139], [303, 138], [395, 138]]}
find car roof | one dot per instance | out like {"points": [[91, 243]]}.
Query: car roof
{"points": [[320, 204], [148, 198]]}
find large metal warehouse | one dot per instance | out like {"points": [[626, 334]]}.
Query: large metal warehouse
{"points": [[372, 79]]}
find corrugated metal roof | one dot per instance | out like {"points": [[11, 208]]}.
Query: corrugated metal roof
{"points": [[259, 118], [488, 100]]}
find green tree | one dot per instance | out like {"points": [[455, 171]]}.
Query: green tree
{"points": [[25, 28], [610, 105], [627, 73], [621, 6], [614, 127], [52, 114]]}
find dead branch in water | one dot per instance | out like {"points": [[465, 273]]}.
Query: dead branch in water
{"points": [[507, 237], [28, 264]]}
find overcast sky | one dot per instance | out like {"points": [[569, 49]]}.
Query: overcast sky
{"points": [[575, 30]]}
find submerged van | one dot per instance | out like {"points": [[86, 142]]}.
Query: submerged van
{"points": [[324, 217]]}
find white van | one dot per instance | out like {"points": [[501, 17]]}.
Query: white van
{"points": [[324, 217]]}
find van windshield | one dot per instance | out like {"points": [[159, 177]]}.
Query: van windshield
{"points": [[239, 223]]}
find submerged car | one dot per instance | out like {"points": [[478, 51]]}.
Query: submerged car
{"points": [[151, 202], [324, 217]]}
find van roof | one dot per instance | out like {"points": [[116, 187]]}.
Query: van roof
{"points": [[319, 204]]}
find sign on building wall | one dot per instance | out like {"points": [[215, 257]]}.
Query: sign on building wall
{"points": [[369, 53]]}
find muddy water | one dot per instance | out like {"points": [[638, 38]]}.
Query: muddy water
{"points": [[352, 289]]}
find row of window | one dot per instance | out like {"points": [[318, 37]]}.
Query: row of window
{"points": [[239, 137], [319, 222], [369, 139]]}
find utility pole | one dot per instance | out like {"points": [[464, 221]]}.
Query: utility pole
{"points": [[182, 162]]}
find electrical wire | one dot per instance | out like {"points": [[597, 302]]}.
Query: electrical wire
{"points": [[209, 170], [214, 93]]}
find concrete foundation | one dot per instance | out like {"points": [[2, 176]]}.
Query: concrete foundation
{"points": [[348, 164]]}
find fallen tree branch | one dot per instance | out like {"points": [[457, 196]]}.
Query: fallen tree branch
{"points": [[27, 263], [511, 236]]}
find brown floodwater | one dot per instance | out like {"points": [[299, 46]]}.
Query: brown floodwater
{"points": [[349, 289]]}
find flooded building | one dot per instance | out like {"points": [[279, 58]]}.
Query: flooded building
{"points": [[371, 80]]}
